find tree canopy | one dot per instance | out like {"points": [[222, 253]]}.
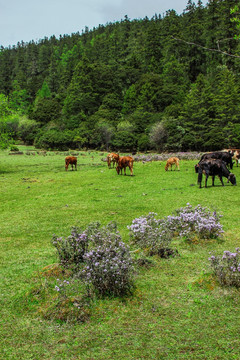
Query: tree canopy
{"points": [[171, 82]]}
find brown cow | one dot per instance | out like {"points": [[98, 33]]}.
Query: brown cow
{"points": [[70, 160], [112, 158], [123, 162], [171, 162]]}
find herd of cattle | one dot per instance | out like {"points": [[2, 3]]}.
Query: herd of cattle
{"points": [[211, 164]]}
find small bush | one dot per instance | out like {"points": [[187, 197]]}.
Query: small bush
{"points": [[14, 148], [227, 267], [71, 249], [196, 222], [151, 234], [109, 266], [105, 260], [98, 234], [155, 235]]}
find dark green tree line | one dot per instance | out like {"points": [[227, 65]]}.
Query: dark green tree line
{"points": [[171, 72]]}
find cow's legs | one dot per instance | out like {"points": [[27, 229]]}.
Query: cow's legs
{"points": [[213, 178], [206, 180], [220, 177], [131, 171]]}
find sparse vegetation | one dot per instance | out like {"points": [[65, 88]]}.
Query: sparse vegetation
{"points": [[226, 267]]}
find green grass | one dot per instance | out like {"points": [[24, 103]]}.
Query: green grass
{"points": [[178, 310]]}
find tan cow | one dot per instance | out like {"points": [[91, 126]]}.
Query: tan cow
{"points": [[123, 163], [70, 160], [112, 158], [235, 153], [171, 161]]}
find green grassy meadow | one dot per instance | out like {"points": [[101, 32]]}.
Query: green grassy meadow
{"points": [[178, 310]]}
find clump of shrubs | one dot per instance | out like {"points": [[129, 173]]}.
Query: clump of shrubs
{"points": [[226, 267], [191, 223], [99, 257], [155, 235], [98, 234], [109, 268], [152, 234], [71, 249], [108, 264]]}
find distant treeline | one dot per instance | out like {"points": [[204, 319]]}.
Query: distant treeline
{"points": [[167, 83]]}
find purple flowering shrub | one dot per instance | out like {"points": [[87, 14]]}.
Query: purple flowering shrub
{"points": [[71, 249], [108, 267], [151, 234], [155, 235], [198, 222], [97, 234], [100, 257], [227, 267]]}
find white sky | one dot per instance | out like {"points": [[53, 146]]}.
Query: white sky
{"points": [[33, 20]]}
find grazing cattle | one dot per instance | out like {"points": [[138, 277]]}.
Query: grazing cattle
{"points": [[213, 167], [112, 158], [222, 155], [123, 163], [171, 162], [235, 153], [236, 156], [70, 160]]}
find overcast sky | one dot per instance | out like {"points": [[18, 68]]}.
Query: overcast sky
{"points": [[33, 20]]}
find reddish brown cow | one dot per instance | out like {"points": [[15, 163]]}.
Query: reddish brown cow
{"points": [[112, 158], [70, 160], [123, 162], [171, 162]]}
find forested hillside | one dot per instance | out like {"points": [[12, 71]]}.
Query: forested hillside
{"points": [[129, 85]]}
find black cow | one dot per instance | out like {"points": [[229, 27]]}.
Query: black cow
{"points": [[222, 155], [213, 167]]}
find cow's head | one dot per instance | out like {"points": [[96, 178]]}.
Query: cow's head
{"points": [[232, 179], [118, 169], [196, 168]]}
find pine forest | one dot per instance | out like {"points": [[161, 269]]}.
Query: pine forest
{"points": [[169, 83]]}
